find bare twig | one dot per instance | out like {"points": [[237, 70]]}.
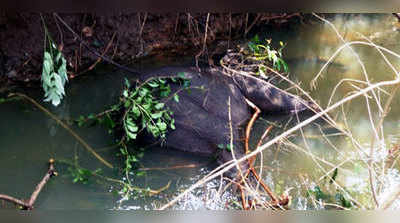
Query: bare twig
{"points": [[28, 205], [104, 53], [130, 70], [204, 42]]}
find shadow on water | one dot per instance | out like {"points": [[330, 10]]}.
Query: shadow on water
{"points": [[28, 138]]}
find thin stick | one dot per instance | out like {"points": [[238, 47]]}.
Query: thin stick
{"points": [[130, 70], [90, 149], [104, 52], [142, 25], [204, 43]]}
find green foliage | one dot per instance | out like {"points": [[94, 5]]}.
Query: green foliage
{"points": [[262, 51], [85, 176], [104, 119], [82, 175], [54, 72], [339, 198], [145, 109], [334, 175], [222, 147], [141, 108]]}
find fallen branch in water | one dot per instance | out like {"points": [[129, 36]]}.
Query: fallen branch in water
{"points": [[66, 127], [129, 186], [28, 205]]}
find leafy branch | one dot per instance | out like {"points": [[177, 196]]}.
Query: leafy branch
{"points": [[144, 108], [262, 51], [54, 72]]}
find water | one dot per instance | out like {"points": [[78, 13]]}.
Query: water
{"points": [[28, 138]]}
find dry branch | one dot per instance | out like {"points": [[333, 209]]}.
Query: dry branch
{"points": [[28, 205]]}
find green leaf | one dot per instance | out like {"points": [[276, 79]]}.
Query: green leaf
{"points": [[153, 84], [135, 111], [162, 126], [140, 173], [127, 103], [125, 93], [172, 125], [109, 122], [176, 97], [58, 84], [159, 106], [144, 91], [133, 128], [47, 68], [58, 56], [334, 175], [127, 83], [252, 47], [256, 39], [156, 115], [221, 146], [131, 135]]}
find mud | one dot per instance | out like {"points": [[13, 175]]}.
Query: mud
{"points": [[136, 36]]}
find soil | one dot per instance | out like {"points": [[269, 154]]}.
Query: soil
{"points": [[136, 36]]}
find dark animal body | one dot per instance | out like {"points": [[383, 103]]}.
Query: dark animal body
{"points": [[202, 115]]}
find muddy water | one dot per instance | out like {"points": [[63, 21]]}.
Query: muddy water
{"points": [[309, 47], [28, 138]]}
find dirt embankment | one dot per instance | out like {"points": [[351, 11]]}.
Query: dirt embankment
{"points": [[124, 37]]}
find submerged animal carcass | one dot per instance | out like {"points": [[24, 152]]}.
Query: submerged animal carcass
{"points": [[215, 110]]}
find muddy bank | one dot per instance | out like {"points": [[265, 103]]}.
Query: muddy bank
{"points": [[124, 37]]}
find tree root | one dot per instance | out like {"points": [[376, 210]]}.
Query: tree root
{"points": [[28, 205]]}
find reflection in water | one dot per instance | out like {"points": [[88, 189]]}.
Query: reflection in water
{"points": [[302, 163]]}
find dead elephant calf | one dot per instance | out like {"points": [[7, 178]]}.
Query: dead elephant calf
{"points": [[202, 116]]}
